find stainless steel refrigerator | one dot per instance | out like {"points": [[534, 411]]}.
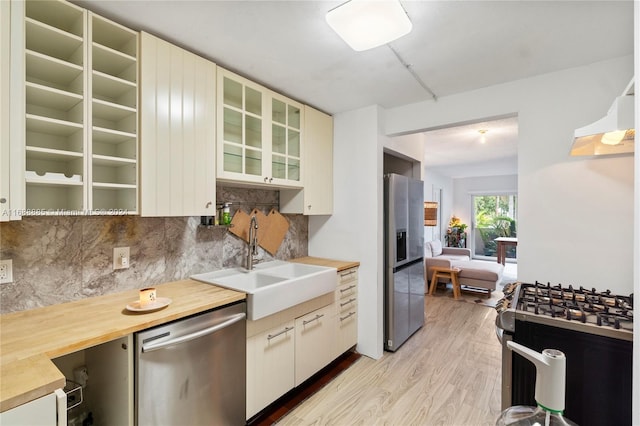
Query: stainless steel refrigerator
{"points": [[404, 252]]}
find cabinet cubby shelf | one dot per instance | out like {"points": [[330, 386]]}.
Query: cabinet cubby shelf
{"points": [[108, 85], [114, 186], [52, 70], [103, 134], [106, 160], [51, 97], [53, 126], [53, 42], [51, 154], [111, 61], [111, 111], [51, 182]]}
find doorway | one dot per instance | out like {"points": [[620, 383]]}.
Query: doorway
{"points": [[494, 215]]}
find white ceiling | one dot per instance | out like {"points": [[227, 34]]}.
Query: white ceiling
{"points": [[455, 46]]}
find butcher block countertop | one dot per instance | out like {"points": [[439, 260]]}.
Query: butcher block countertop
{"points": [[340, 265], [30, 339]]}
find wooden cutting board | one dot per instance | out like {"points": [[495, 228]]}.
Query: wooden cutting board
{"points": [[240, 224], [277, 229]]}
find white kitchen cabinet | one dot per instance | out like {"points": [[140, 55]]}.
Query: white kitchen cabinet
{"points": [[316, 198], [346, 311], [314, 342], [177, 132], [49, 410], [80, 119], [11, 110], [260, 134], [270, 360], [108, 393]]}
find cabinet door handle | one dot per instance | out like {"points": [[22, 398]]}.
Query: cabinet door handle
{"points": [[309, 207], [349, 315], [347, 302], [270, 180], [266, 179], [208, 204], [318, 316], [342, 290], [346, 274], [271, 336], [3, 200]]}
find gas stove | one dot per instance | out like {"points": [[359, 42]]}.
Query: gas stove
{"points": [[593, 328], [580, 309]]}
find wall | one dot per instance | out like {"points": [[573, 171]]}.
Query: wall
{"points": [[636, 263], [433, 181], [354, 231], [572, 210], [58, 259]]}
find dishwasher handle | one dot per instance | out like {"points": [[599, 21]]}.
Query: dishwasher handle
{"points": [[195, 335]]}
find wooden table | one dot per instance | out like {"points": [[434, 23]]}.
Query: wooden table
{"points": [[501, 250], [443, 272]]}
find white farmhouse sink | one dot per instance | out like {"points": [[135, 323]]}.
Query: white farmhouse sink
{"points": [[274, 286]]}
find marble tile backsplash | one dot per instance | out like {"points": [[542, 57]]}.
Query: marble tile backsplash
{"points": [[58, 259]]}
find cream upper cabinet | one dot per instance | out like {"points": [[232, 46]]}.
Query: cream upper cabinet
{"points": [[80, 84], [260, 134], [11, 110], [317, 196], [177, 134]]}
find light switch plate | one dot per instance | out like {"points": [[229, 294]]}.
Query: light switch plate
{"points": [[121, 258]]}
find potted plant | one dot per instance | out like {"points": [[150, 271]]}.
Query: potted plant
{"points": [[456, 235]]}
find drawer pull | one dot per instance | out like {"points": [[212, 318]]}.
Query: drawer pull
{"points": [[342, 290], [271, 336], [347, 302], [346, 274], [318, 316], [349, 315]]}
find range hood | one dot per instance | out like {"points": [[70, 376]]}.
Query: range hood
{"points": [[611, 135]]}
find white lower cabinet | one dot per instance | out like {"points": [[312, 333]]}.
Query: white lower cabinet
{"points": [[108, 391], [346, 311], [270, 360], [39, 412], [314, 342]]}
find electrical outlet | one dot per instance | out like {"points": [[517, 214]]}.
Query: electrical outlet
{"points": [[6, 271], [121, 258]]}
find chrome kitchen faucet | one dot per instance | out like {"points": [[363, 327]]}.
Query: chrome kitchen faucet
{"points": [[253, 242]]}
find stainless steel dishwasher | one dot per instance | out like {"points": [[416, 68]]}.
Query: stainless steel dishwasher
{"points": [[192, 371]]}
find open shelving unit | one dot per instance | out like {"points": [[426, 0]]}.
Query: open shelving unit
{"points": [[81, 77], [55, 90]]}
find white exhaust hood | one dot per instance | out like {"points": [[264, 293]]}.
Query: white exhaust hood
{"points": [[613, 134]]}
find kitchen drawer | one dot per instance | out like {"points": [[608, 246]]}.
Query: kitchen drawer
{"points": [[347, 327], [349, 302], [346, 290], [348, 275]]}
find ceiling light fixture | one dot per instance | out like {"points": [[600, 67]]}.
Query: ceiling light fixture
{"points": [[365, 24], [482, 132]]}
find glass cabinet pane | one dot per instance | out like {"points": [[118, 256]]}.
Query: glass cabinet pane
{"points": [[279, 139], [232, 126], [294, 117], [279, 111], [253, 132], [294, 169], [279, 167], [253, 162], [294, 143], [232, 93], [253, 101], [232, 158]]}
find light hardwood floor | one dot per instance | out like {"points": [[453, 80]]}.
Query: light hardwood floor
{"points": [[448, 373]]}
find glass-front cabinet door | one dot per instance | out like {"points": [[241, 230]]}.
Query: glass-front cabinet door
{"points": [[241, 111], [285, 140], [259, 134]]}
